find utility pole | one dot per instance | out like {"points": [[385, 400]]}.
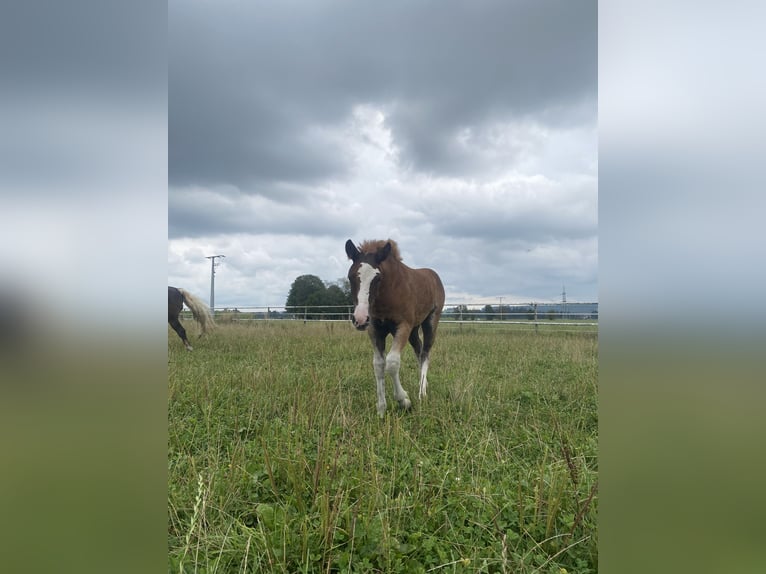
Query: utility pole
{"points": [[564, 301], [501, 308], [213, 265]]}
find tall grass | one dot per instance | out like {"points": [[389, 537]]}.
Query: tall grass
{"points": [[278, 462]]}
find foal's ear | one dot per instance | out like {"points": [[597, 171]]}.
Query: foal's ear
{"points": [[351, 250], [382, 253]]}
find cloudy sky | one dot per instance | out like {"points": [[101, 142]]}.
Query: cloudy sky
{"points": [[466, 131]]}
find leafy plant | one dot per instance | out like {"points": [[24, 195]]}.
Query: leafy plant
{"points": [[277, 461]]}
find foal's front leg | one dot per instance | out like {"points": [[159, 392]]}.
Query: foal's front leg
{"points": [[379, 367]]}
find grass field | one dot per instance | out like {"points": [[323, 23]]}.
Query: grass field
{"points": [[278, 462]]}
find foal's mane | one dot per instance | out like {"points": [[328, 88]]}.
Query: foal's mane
{"points": [[372, 245]]}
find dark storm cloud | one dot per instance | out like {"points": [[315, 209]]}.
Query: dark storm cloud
{"points": [[194, 212], [464, 130], [251, 84], [84, 46]]}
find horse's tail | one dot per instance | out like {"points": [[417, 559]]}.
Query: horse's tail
{"points": [[200, 311]]}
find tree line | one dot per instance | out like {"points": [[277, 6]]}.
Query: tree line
{"points": [[517, 312], [312, 298], [490, 313]]}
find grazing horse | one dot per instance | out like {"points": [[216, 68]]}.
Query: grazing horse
{"points": [[201, 313], [393, 299]]}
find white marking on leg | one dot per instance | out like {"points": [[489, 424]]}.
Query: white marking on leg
{"points": [[379, 366], [362, 310], [393, 362], [423, 378]]}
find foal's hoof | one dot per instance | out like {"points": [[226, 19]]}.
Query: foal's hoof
{"points": [[405, 405]]}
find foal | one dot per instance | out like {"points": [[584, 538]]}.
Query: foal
{"points": [[393, 299]]}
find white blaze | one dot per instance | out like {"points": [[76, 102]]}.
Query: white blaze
{"points": [[366, 274]]}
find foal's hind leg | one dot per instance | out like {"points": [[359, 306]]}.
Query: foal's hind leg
{"points": [[417, 346], [429, 336], [178, 328]]}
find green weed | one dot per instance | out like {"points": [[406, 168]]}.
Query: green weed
{"points": [[277, 460]]}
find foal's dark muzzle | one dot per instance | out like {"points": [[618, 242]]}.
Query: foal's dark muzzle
{"points": [[360, 326]]}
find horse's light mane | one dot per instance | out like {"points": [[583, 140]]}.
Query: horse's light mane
{"points": [[372, 245]]}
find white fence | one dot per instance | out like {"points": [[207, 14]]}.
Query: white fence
{"points": [[556, 315]]}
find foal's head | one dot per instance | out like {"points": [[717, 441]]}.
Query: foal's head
{"points": [[364, 275]]}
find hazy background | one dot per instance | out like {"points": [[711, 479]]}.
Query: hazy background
{"points": [[83, 235], [85, 248]]}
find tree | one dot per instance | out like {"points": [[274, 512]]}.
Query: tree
{"points": [[340, 301], [345, 286], [461, 311], [306, 290], [310, 297]]}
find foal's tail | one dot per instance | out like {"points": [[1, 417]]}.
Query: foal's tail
{"points": [[200, 311]]}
